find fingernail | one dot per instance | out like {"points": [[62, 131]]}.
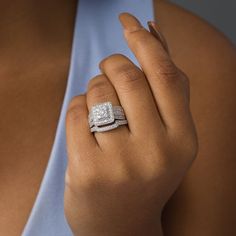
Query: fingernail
{"points": [[129, 22], [156, 32]]}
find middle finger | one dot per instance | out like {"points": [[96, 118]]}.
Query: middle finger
{"points": [[134, 94]]}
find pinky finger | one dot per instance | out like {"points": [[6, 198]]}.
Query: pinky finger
{"points": [[78, 136]]}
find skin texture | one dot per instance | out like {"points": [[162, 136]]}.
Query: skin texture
{"points": [[130, 172], [35, 43], [205, 202]]}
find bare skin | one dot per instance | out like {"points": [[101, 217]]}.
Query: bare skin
{"points": [[34, 60], [205, 203], [19, 164]]}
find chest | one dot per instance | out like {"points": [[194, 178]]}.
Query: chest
{"points": [[29, 116]]}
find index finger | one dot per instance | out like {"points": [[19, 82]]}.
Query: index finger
{"points": [[168, 84]]}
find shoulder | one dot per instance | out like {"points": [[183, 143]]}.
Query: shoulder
{"points": [[209, 59], [206, 56], [192, 40]]}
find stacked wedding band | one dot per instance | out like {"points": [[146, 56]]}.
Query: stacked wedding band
{"points": [[104, 117]]}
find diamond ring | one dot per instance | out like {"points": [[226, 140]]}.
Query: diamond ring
{"points": [[104, 117]]}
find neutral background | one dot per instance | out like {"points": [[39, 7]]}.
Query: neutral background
{"points": [[221, 13]]}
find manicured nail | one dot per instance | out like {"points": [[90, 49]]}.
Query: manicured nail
{"points": [[156, 32], [129, 22]]}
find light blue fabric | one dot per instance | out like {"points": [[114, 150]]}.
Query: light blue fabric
{"points": [[97, 34]]}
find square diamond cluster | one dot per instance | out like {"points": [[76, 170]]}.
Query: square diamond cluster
{"points": [[102, 114]]}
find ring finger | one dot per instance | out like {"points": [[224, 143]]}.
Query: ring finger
{"points": [[100, 90]]}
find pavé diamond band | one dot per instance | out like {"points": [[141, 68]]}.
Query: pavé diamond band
{"points": [[104, 117], [118, 115]]}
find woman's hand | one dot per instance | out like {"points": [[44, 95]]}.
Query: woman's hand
{"points": [[117, 182]]}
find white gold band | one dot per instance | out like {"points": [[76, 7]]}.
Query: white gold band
{"points": [[109, 127]]}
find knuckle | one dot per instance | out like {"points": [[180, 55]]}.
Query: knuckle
{"points": [[186, 83], [128, 72], [113, 58], [189, 150], [99, 88], [191, 147], [167, 72], [141, 37], [97, 80], [83, 179], [68, 178], [77, 108], [184, 78], [69, 181], [78, 100], [87, 180], [117, 56], [129, 77], [75, 113]]}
